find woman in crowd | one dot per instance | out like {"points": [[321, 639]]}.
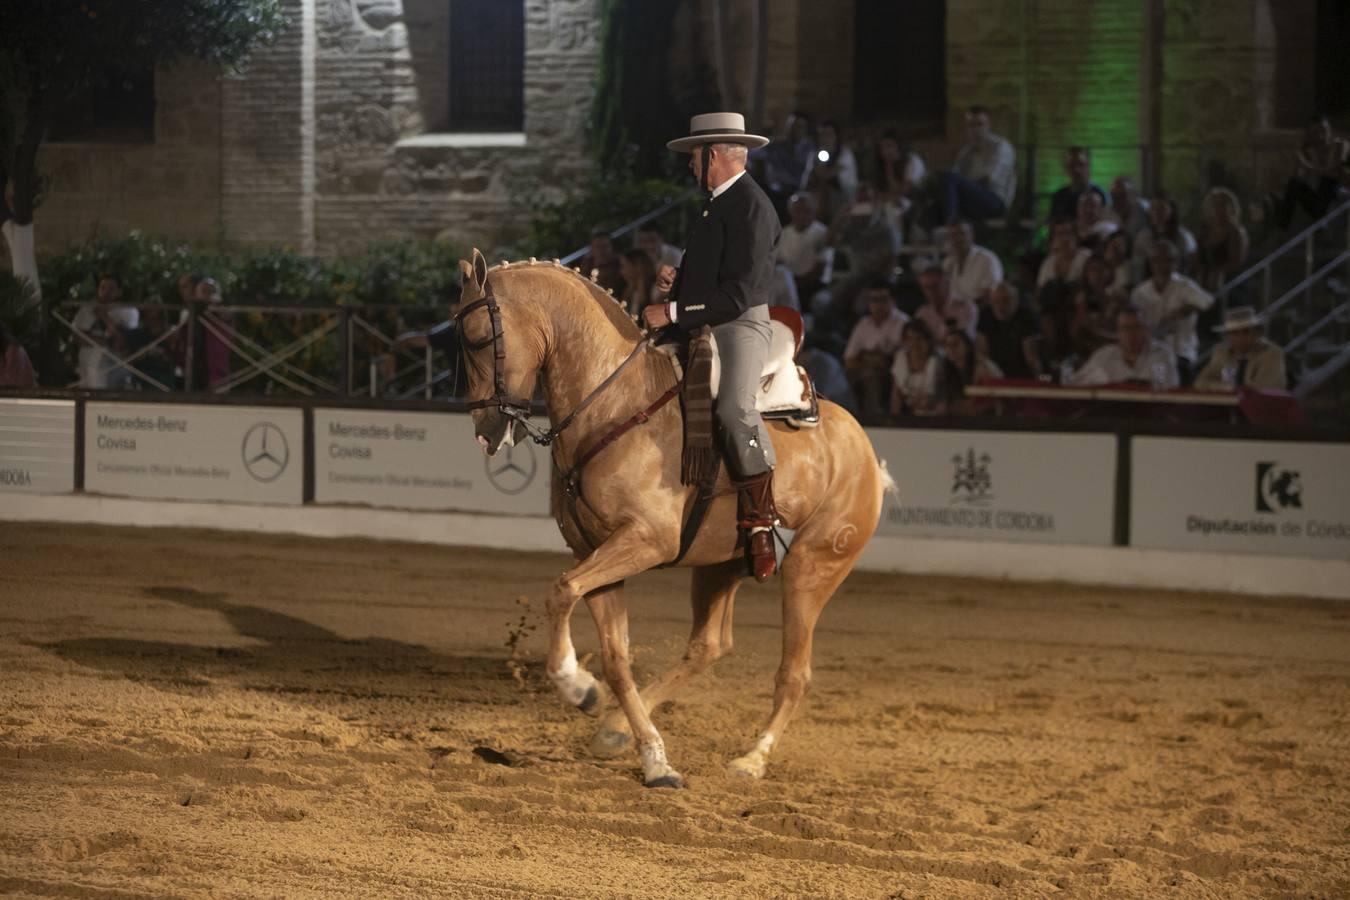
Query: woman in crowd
{"points": [[898, 172], [1223, 250], [1057, 281], [639, 279], [832, 175], [963, 366], [1116, 254], [1163, 224], [1095, 307], [916, 373]]}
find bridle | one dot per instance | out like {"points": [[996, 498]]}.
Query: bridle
{"points": [[519, 410]]}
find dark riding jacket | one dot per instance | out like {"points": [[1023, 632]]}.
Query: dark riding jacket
{"points": [[728, 264]]}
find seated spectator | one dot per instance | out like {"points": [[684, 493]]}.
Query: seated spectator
{"points": [[1163, 225], [899, 172], [1224, 243], [1120, 270], [1057, 280], [780, 166], [1078, 166], [916, 374], [940, 310], [963, 365], [1245, 358], [100, 327], [1320, 176], [971, 270], [602, 263], [871, 349], [784, 289], [1095, 307], [652, 239], [16, 369], [982, 181], [802, 246], [1170, 303], [1009, 334], [1129, 210], [869, 246], [1092, 226], [1134, 357], [639, 280], [832, 174], [157, 362], [827, 374]]}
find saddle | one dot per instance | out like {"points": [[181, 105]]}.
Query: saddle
{"points": [[785, 390]]}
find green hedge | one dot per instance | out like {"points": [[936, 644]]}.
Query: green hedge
{"points": [[405, 273]]}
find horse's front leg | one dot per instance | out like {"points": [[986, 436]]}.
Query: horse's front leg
{"points": [[599, 577]]}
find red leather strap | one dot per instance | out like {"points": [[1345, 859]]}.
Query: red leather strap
{"points": [[572, 477]]}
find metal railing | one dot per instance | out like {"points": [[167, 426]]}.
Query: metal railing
{"points": [[308, 351], [1298, 312]]}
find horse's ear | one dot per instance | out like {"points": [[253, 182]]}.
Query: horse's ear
{"points": [[466, 270], [480, 268]]}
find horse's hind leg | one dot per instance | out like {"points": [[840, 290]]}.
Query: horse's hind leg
{"points": [[813, 571], [713, 596]]}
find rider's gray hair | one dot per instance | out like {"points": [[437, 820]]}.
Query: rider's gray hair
{"points": [[737, 152]]}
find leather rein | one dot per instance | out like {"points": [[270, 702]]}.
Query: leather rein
{"points": [[519, 410]]}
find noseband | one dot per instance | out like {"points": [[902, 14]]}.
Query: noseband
{"points": [[519, 410]]}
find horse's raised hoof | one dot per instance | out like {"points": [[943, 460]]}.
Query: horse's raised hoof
{"points": [[666, 781], [590, 704], [609, 743], [747, 767]]}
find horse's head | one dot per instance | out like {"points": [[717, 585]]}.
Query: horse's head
{"points": [[503, 348]]}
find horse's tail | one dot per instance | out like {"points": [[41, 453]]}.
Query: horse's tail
{"points": [[888, 485]]}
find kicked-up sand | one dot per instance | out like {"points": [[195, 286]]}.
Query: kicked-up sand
{"points": [[187, 713]]}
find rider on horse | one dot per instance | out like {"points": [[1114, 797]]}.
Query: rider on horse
{"points": [[725, 282]]}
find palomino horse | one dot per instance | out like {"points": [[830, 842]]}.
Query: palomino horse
{"points": [[622, 512]]}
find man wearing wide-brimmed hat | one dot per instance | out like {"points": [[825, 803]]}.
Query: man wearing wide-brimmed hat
{"points": [[725, 281], [1245, 358]]}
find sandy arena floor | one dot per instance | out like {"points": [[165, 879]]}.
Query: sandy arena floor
{"points": [[189, 713]]}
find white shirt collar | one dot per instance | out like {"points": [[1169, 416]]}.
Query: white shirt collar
{"points": [[722, 188]]}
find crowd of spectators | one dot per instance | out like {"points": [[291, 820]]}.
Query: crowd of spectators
{"points": [[1118, 290]]}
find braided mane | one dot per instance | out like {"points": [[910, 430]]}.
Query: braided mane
{"points": [[608, 303]]}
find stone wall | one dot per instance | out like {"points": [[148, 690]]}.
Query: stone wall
{"points": [[334, 138], [384, 172], [171, 186]]}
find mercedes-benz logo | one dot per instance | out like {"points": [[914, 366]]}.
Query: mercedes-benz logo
{"points": [[265, 452], [513, 469]]}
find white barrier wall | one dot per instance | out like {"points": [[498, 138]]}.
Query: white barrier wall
{"points": [[421, 460], [249, 454], [1204, 513], [1042, 487], [37, 446], [1280, 498]]}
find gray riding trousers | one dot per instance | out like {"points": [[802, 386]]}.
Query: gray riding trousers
{"points": [[742, 348]]}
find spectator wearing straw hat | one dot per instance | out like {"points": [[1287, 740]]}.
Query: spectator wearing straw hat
{"points": [[1245, 358]]}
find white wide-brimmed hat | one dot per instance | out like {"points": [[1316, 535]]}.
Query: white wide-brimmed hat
{"points": [[716, 128], [1240, 318]]}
